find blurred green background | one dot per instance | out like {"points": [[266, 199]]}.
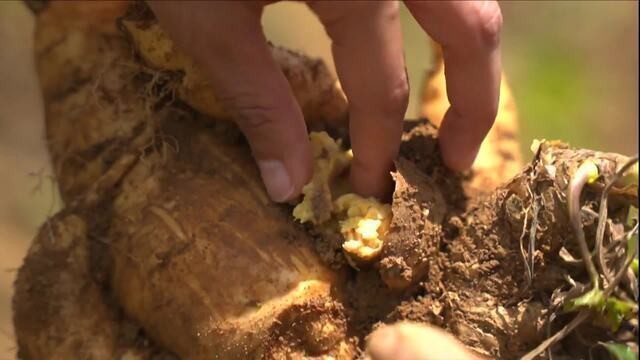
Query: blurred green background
{"points": [[572, 66]]}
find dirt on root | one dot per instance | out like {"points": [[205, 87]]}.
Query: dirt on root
{"points": [[453, 257], [422, 275]]}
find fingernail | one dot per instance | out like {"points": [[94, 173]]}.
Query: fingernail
{"points": [[276, 179]]}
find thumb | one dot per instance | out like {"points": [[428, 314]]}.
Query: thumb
{"points": [[410, 341], [226, 40]]}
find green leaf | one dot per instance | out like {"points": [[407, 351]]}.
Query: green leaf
{"points": [[631, 176], [632, 244], [612, 310], [632, 216], [617, 310], [619, 351], [592, 299]]}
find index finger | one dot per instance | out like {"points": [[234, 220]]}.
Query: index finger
{"points": [[367, 48], [468, 32]]}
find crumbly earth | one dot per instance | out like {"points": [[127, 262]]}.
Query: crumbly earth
{"points": [[169, 247]]}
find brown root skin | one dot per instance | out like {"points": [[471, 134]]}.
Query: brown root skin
{"points": [[57, 302], [222, 266], [84, 92]]}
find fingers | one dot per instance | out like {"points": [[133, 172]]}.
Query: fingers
{"points": [[367, 48], [468, 32], [410, 341], [226, 39]]}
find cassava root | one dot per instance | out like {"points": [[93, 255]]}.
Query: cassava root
{"points": [[169, 247]]}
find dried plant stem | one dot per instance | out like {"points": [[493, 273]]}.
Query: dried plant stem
{"points": [[583, 175], [582, 316]]}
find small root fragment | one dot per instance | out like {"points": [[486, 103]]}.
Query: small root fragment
{"points": [[523, 252], [362, 222], [329, 162], [532, 239], [171, 223]]}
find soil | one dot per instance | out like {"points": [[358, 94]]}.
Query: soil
{"points": [[453, 258]]}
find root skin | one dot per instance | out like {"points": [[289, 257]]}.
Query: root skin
{"points": [[59, 310]]}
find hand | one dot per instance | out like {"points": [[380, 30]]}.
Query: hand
{"points": [[410, 341], [226, 39]]}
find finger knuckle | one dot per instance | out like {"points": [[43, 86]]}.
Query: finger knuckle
{"points": [[389, 10], [396, 97], [489, 23], [252, 116]]}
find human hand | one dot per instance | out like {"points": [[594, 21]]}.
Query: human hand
{"points": [[226, 39], [411, 341]]}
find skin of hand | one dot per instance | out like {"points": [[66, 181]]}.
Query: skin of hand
{"points": [[226, 39], [411, 341]]}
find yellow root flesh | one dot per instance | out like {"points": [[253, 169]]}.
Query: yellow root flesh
{"points": [[362, 222]]}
